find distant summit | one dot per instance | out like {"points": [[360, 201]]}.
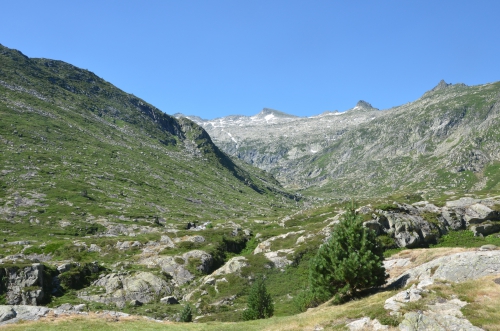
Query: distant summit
{"points": [[363, 106], [269, 113], [442, 85]]}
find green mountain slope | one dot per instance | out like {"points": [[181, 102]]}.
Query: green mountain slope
{"points": [[75, 148], [446, 141]]}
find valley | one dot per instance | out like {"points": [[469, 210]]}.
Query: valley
{"points": [[116, 215]]}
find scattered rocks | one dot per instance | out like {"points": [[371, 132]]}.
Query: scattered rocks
{"points": [[397, 301], [366, 323], [14, 314], [165, 240], [127, 245], [279, 257], [193, 239], [176, 266], [440, 316], [265, 246]]}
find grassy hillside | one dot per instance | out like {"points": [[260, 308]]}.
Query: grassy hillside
{"points": [[74, 147]]}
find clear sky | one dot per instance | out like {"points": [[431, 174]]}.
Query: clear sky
{"points": [[214, 58]]}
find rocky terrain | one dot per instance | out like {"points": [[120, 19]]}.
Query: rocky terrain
{"points": [[272, 139], [113, 210], [446, 141]]}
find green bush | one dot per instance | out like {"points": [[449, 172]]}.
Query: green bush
{"points": [[186, 314], [260, 304], [349, 262]]}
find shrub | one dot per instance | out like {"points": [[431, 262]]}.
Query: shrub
{"points": [[260, 304], [186, 314], [349, 262]]}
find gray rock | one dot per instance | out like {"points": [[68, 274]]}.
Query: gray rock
{"points": [[6, 313], [94, 248], [365, 323], [165, 240], [454, 268], [65, 306], [485, 229], [65, 267], [31, 277], [478, 213], [373, 225], [440, 317], [397, 301], [234, 265], [122, 288], [170, 300], [135, 303], [454, 221], [80, 307], [17, 313], [488, 248]]}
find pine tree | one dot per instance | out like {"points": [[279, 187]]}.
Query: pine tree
{"points": [[186, 314], [260, 304], [350, 261]]}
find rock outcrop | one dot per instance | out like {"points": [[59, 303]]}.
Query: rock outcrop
{"points": [[28, 285], [120, 288]]}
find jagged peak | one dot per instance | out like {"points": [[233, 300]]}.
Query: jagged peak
{"points": [[441, 85], [363, 106]]}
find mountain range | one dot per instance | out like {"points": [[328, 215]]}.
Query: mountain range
{"points": [[446, 141], [107, 203]]}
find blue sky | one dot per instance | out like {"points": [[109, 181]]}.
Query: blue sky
{"points": [[215, 58]]}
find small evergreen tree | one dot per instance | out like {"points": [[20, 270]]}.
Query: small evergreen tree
{"points": [[350, 261], [260, 304], [186, 314]]}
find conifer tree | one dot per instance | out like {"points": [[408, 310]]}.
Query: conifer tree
{"points": [[350, 261], [260, 304], [186, 314]]}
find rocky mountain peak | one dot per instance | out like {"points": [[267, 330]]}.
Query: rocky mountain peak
{"points": [[441, 85], [267, 112], [363, 106]]}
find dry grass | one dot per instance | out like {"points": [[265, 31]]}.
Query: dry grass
{"points": [[327, 316], [484, 298]]}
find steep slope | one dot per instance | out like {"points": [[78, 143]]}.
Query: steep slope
{"points": [[272, 140], [76, 148], [446, 141]]}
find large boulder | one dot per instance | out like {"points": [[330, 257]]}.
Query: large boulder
{"points": [[478, 213], [234, 265], [177, 266], [120, 288], [485, 229], [411, 230], [454, 268]]}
